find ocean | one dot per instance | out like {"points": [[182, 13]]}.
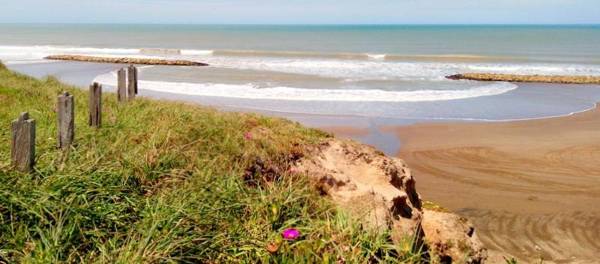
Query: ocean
{"points": [[379, 71]]}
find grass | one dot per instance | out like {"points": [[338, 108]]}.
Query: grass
{"points": [[434, 207], [166, 182]]}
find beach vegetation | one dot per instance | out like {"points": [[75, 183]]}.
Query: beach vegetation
{"points": [[428, 205]]}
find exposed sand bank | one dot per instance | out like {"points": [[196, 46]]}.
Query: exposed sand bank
{"points": [[124, 60], [532, 188], [526, 78], [380, 192]]}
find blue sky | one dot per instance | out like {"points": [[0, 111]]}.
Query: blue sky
{"points": [[303, 12]]}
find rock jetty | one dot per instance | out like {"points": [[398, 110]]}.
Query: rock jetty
{"points": [[493, 77], [125, 60]]}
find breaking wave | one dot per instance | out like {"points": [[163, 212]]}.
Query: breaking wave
{"points": [[249, 91]]}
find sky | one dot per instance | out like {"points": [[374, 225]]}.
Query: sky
{"points": [[302, 11]]}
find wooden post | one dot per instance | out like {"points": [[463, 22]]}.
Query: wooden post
{"points": [[95, 105], [122, 85], [135, 73], [23, 143], [66, 120], [133, 82]]}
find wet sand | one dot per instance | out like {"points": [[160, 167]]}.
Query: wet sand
{"points": [[532, 188]]}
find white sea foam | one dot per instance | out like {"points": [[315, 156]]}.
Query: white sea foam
{"points": [[348, 70], [18, 62], [197, 52], [39, 52], [374, 68], [541, 69], [133, 56], [386, 70], [249, 91], [345, 69], [376, 56]]}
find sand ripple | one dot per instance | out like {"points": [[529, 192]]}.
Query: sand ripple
{"points": [[560, 237], [532, 188]]}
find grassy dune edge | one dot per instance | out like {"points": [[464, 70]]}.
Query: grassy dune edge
{"points": [[124, 60], [526, 78], [168, 182]]}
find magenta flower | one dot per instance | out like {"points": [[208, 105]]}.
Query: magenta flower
{"points": [[290, 234], [248, 136]]}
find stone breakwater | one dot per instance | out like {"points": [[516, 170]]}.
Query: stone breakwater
{"points": [[124, 60], [493, 77]]}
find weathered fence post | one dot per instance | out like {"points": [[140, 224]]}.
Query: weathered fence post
{"points": [[95, 105], [122, 85], [23, 143], [135, 73], [133, 81], [66, 120]]}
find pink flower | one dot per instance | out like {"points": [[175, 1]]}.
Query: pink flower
{"points": [[290, 234], [248, 136]]}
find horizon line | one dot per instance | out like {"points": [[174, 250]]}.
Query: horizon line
{"points": [[304, 24]]}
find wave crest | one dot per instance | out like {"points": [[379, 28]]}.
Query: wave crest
{"points": [[249, 91]]}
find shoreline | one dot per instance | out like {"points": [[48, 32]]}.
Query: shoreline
{"points": [[104, 68], [529, 101]]}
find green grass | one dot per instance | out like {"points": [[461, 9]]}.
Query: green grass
{"points": [[434, 207], [166, 182]]}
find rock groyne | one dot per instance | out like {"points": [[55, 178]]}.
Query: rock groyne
{"points": [[125, 60], [494, 77]]}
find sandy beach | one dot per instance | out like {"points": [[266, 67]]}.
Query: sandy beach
{"points": [[532, 188]]}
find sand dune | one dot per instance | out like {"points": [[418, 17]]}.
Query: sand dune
{"points": [[532, 188]]}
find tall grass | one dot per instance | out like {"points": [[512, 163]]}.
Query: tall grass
{"points": [[165, 182]]}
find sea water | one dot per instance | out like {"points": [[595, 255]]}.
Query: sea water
{"points": [[382, 71]]}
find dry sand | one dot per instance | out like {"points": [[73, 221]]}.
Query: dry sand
{"points": [[532, 188]]}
